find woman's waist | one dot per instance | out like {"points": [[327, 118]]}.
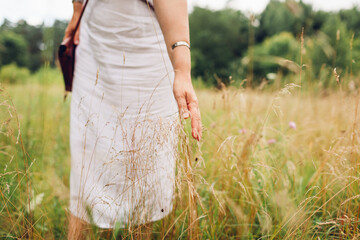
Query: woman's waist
{"points": [[129, 103]]}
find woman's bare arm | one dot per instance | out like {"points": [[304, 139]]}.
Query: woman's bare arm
{"points": [[173, 19], [77, 6]]}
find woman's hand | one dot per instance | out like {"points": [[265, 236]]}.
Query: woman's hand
{"points": [[72, 24], [187, 102], [173, 19]]}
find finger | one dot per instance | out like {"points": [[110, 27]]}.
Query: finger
{"points": [[181, 101], [77, 36], [195, 119], [182, 107]]}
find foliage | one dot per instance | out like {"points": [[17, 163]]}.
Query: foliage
{"points": [[218, 38], [47, 75], [339, 39], [288, 16], [277, 53], [13, 74], [30, 46], [52, 38], [326, 44], [13, 48], [33, 38], [352, 19], [228, 43]]}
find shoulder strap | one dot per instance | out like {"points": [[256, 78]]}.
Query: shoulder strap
{"points": [[149, 4]]}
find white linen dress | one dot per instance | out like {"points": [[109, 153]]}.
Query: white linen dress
{"points": [[123, 117]]}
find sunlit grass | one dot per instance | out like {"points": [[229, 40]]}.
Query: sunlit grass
{"points": [[256, 176]]}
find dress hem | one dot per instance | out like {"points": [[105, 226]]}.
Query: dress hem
{"points": [[111, 226]]}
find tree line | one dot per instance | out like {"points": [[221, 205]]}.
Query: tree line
{"points": [[285, 37]]}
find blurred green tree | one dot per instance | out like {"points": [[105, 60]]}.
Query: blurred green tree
{"points": [[320, 18], [289, 16], [217, 39], [52, 38], [220, 40], [333, 48], [13, 49], [351, 17], [33, 36], [278, 53]]}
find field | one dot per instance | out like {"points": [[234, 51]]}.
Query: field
{"points": [[275, 164]]}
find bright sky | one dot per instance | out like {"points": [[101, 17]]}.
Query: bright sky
{"points": [[37, 11]]}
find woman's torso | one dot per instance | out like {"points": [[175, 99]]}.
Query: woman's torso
{"points": [[123, 42]]}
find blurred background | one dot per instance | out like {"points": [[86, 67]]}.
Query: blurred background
{"points": [[252, 40]]}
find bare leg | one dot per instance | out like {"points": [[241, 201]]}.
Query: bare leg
{"points": [[77, 228]]}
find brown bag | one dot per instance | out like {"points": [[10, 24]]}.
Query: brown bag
{"points": [[66, 52], [66, 55]]}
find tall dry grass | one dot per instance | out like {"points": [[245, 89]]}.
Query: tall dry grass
{"points": [[252, 176]]}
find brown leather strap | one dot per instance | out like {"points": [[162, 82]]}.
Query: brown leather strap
{"points": [[149, 4], [82, 12]]}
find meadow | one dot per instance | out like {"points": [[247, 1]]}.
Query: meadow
{"points": [[277, 163]]}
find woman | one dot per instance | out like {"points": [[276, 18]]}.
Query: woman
{"points": [[132, 79]]}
